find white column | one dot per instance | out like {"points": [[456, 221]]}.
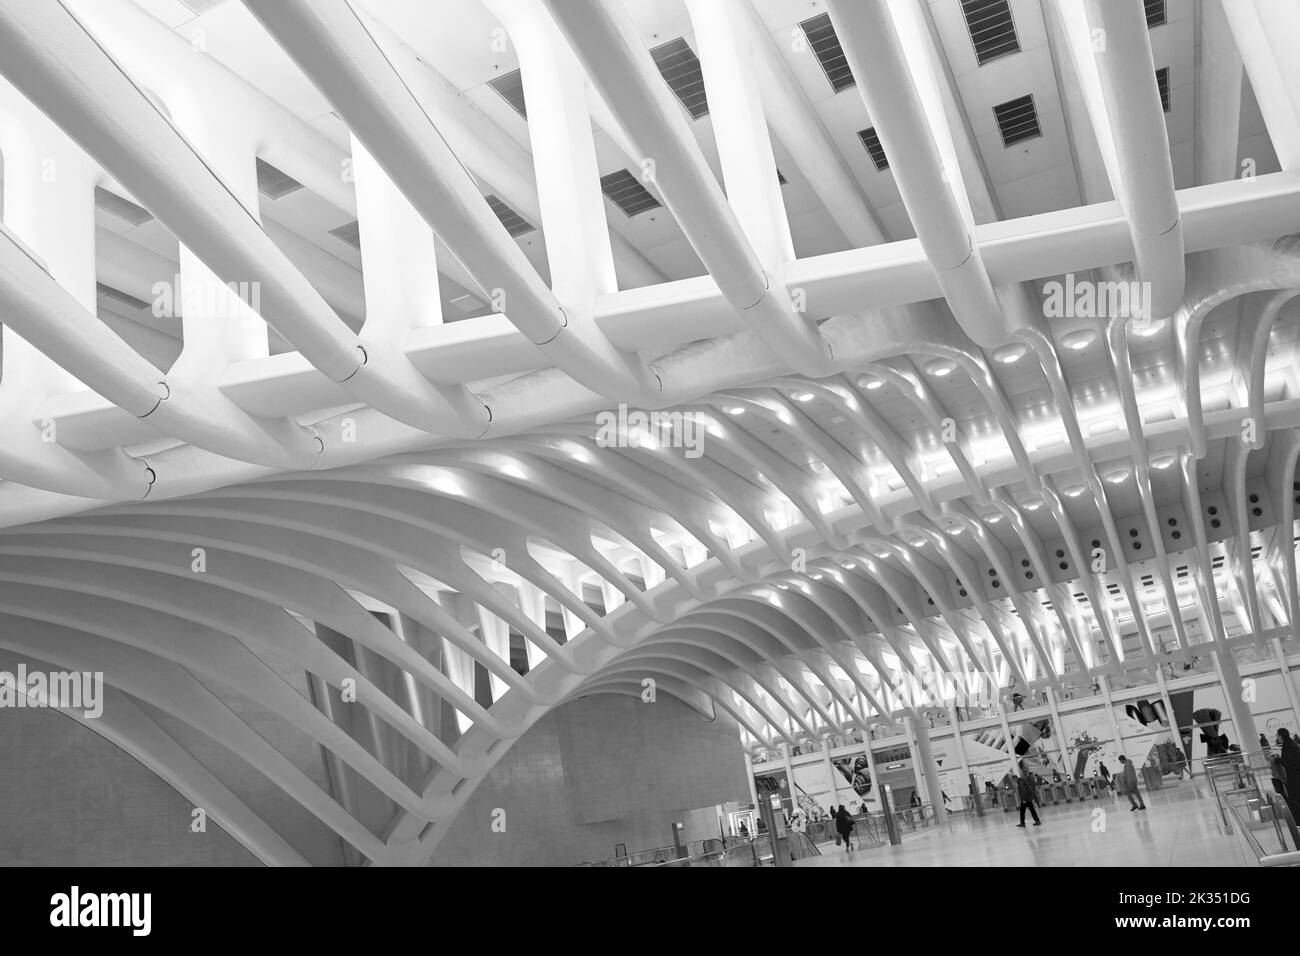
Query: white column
{"points": [[924, 755], [727, 59], [1243, 721], [1012, 759], [960, 745], [400, 274], [1104, 683]]}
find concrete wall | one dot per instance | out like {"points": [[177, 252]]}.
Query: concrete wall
{"points": [[68, 797], [599, 771]]}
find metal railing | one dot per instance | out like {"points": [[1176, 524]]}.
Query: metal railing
{"points": [[1244, 788]]}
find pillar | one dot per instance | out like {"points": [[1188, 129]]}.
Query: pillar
{"points": [[830, 771], [924, 756], [1243, 721], [1104, 683]]}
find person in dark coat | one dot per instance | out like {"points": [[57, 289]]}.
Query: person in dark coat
{"points": [[1105, 775], [844, 825], [1028, 795], [1290, 757]]}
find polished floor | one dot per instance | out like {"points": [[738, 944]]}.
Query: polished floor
{"points": [[1179, 828]]}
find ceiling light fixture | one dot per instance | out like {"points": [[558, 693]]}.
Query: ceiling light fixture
{"points": [[941, 367], [1010, 354], [1079, 339]]}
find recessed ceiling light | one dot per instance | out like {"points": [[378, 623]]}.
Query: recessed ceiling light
{"points": [[1117, 477], [940, 367], [1145, 328], [815, 576], [1009, 354], [955, 530], [870, 383], [735, 410], [1075, 490], [882, 555], [1033, 504], [993, 519], [1079, 339], [802, 396], [1164, 461]]}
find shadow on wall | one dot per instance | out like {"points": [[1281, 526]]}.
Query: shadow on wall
{"points": [[599, 771]]}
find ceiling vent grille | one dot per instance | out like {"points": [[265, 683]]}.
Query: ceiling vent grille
{"points": [[121, 208], [681, 68], [1017, 120], [511, 88], [871, 143], [117, 295], [1156, 15], [992, 30], [349, 232], [826, 47], [515, 224], [1162, 81], [626, 192], [272, 183]]}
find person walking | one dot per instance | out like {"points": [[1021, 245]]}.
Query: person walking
{"points": [[1290, 758], [1105, 775], [1128, 784], [1028, 796], [844, 825]]}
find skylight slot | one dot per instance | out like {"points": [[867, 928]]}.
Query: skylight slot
{"points": [[515, 224], [871, 143], [273, 183], [992, 31], [1017, 120], [681, 69], [1162, 81], [121, 208], [350, 233], [511, 88], [626, 192], [826, 47], [117, 295]]}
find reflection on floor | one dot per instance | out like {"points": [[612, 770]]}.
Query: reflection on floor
{"points": [[1179, 828]]}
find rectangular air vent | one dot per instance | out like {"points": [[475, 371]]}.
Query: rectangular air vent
{"points": [[1017, 120], [992, 30], [117, 295], [826, 47], [515, 224], [626, 192], [1156, 15], [681, 68], [511, 87], [871, 143], [1162, 81], [350, 233], [122, 208], [272, 183]]}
